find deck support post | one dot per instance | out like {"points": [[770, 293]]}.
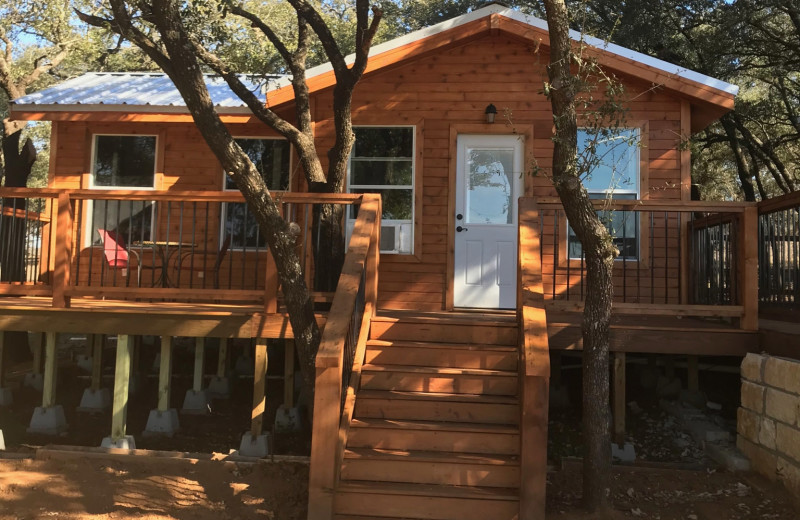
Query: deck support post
{"points": [[6, 399], [96, 399], [49, 419], [119, 409], [163, 420], [220, 385], [98, 343], [287, 418], [196, 401], [288, 374], [34, 378], [619, 398], [255, 443], [693, 373]]}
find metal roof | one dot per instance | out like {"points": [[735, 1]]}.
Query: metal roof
{"points": [[138, 89]]}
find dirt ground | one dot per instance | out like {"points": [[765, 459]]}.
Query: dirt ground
{"points": [[149, 488], [156, 488]]}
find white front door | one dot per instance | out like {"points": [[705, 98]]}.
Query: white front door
{"points": [[489, 182]]}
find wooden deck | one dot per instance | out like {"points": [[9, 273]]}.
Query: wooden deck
{"points": [[162, 318]]}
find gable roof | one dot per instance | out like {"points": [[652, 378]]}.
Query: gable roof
{"points": [[710, 98]]}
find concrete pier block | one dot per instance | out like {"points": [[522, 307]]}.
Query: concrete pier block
{"points": [[48, 421], [35, 381], [6, 397], [626, 453], [95, 401], [219, 388], [84, 362], [196, 403], [287, 420], [162, 423], [254, 447], [125, 443]]}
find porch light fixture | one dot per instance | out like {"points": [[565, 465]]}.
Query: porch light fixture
{"points": [[491, 111]]}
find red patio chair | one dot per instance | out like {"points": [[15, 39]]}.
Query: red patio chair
{"points": [[118, 256]]}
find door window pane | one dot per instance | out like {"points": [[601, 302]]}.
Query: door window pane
{"points": [[490, 186]]}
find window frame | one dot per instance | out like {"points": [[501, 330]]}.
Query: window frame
{"points": [[416, 200], [641, 193], [92, 172], [224, 205]]}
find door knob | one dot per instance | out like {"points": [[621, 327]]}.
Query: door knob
{"points": [[460, 229]]}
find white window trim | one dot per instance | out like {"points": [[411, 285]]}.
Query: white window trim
{"points": [[413, 187], [88, 232], [224, 209]]}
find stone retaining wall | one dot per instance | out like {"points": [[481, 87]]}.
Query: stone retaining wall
{"points": [[769, 418]]}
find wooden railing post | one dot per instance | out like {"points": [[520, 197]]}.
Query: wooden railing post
{"points": [[63, 250], [534, 365], [271, 286], [747, 267]]}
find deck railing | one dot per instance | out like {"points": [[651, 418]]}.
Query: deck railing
{"points": [[779, 252], [534, 365], [25, 235], [686, 258], [340, 357], [173, 245]]}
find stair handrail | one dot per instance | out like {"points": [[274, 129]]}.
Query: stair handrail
{"points": [[534, 367], [341, 355]]}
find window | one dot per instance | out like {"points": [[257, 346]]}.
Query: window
{"points": [[123, 162], [382, 162], [271, 158], [613, 163]]}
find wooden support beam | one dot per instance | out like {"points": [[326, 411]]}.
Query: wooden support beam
{"points": [[619, 398], [693, 373], [37, 353], [199, 366], [50, 370], [271, 286], [288, 374], [165, 374], [259, 388], [122, 378], [222, 359], [98, 341]]}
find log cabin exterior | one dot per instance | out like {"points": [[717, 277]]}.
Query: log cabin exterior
{"points": [[413, 276]]}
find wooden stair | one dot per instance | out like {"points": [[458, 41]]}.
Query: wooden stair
{"points": [[435, 430]]}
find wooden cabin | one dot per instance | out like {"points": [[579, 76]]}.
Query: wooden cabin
{"points": [[451, 298]]}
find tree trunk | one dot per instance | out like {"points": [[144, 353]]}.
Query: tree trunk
{"points": [[600, 253], [329, 245]]}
